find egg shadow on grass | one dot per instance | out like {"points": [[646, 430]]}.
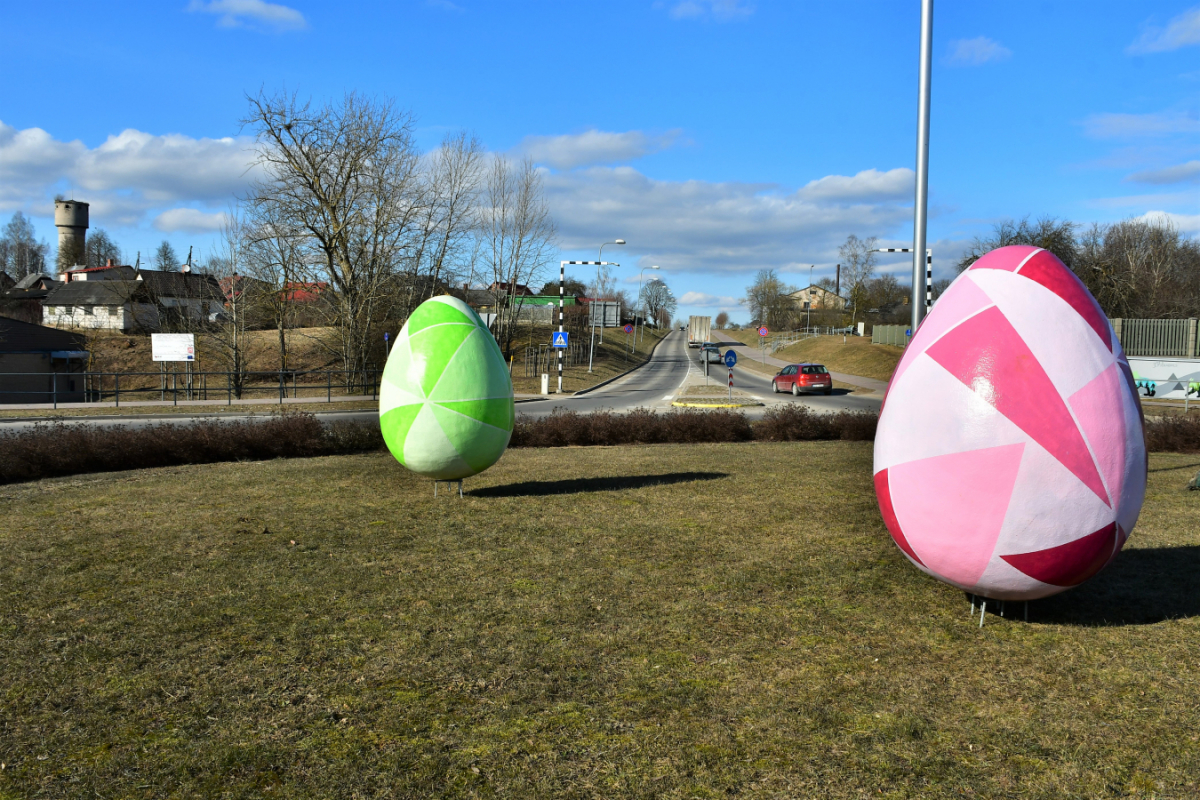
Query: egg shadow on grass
{"points": [[579, 485], [1141, 586]]}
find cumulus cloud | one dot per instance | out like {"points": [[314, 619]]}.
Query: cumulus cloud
{"points": [[973, 52], [719, 10], [700, 226], [127, 175], [1187, 224], [251, 13], [868, 185], [1128, 126], [594, 147], [1180, 173], [1182, 31], [189, 220], [703, 300]]}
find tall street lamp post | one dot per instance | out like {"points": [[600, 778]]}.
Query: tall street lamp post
{"points": [[921, 206], [592, 310], [643, 305]]}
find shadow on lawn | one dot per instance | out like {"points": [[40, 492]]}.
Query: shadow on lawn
{"points": [[573, 486], [1140, 587]]}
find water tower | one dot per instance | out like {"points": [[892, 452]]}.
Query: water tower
{"points": [[71, 219]]}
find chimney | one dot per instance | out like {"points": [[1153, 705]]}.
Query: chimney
{"points": [[108, 263], [838, 285], [466, 287]]}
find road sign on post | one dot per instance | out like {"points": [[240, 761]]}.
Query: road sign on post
{"points": [[560, 339], [730, 358], [763, 331], [629, 329]]}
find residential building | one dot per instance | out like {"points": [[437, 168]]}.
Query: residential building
{"points": [[107, 304], [818, 297]]}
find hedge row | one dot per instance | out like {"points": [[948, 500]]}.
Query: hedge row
{"points": [[58, 448]]}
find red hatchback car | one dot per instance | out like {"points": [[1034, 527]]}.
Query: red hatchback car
{"points": [[797, 378]]}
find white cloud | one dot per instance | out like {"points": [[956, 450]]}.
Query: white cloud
{"points": [[594, 147], [251, 13], [126, 176], [1182, 31], [868, 185], [1180, 173], [1187, 224], [703, 300], [1125, 126], [190, 220], [698, 226], [719, 10], [973, 52]]}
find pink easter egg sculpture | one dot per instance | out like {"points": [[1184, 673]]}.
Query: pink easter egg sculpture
{"points": [[1010, 460]]}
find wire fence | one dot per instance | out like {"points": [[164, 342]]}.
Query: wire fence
{"points": [[173, 387]]}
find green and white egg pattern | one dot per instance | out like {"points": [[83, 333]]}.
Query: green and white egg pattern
{"points": [[446, 399]]}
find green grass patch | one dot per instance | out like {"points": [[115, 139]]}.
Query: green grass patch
{"points": [[662, 621]]}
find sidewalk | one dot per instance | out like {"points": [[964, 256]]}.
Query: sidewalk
{"points": [[754, 354]]}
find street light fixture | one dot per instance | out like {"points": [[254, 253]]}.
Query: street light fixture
{"points": [[592, 349], [643, 303]]}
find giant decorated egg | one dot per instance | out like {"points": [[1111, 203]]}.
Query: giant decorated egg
{"points": [[446, 398], [1009, 459]]}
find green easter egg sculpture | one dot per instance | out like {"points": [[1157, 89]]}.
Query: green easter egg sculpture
{"points": [[446, 399]]}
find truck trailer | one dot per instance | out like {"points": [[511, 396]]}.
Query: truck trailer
{"points": [[698, 330]]}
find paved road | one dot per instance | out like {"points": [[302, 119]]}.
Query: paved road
{"points": [[654, 386]]}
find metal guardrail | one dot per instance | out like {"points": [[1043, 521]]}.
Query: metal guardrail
{"points": [[99, 387]]}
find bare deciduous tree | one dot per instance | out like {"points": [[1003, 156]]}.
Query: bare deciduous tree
{"points": [[858, 267], [345, 175], [100, 248], [516, 235], [1048, 233], [658, 299], [721, 321], [766, 299], [21, 253], [449, 189]]}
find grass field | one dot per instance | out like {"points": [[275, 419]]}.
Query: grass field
{"points": [[856, 357], [668, 621]]}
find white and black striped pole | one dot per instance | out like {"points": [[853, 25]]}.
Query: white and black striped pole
{"points": [[562, 273], [928, 271]]}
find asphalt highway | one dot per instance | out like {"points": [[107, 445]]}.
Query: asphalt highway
{"points": [[655, 386]]}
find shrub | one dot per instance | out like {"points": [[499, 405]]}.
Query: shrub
{"points": [[640, 426], [59, 448], [794, 423], [1173, 434]]}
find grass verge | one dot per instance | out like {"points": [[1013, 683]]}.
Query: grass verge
{"points": [[856, 357], [674, 621]]}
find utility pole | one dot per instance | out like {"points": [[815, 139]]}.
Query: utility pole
{"points": [[921, 206]]}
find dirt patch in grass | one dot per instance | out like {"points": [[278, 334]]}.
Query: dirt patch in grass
{"points": [[671, 621]]}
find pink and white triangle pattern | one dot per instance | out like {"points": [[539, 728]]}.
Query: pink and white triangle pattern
{"points": [[1009, 458]]}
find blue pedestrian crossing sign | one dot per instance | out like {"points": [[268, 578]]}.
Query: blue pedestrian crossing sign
{"points": [[560, 339], [730, 358]]}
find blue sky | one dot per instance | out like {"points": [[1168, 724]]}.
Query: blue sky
{"points": [[717, 136]]}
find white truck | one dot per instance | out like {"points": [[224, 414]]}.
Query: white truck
{"points": [[698, 330]]}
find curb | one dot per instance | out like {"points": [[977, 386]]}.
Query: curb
{"points": [[679, 404], [623, 374]]}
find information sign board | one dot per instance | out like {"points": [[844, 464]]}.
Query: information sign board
{"points": [[560, 339], [173, 346]]}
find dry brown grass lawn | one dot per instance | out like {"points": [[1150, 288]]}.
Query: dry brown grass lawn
{"points": [[857, 356], [611, 359], [667, 621]]}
